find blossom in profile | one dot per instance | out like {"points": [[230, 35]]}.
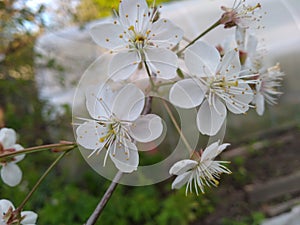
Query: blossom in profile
{"points": [[215, 84], [8, 215], [267, 88], [117, 124], [204, 171], [136, 36], [11, 174], [241, 15], [268, 79]]}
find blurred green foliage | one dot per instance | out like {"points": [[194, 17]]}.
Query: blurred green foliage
{"points": [[254, 219], [99, 8]]}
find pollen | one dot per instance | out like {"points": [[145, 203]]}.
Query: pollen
{"points": [[107, 40], [131, 28], [120, 36]]}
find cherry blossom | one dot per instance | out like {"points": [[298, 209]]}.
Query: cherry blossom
{"points": [[117, 123], [268, 78], [213, 81], [205, 171], [11, 174], [137, 37], [267, 88], [8, 215], [241, 15]]}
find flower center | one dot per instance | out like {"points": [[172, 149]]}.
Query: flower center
{"points": [[138, 39], [222, 84]]}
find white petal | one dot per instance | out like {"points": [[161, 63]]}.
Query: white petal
{"points": [[260, 104], [162, 62], [4, 206], [89, 133], [124, 155], [131, 11], [123, 65], [181, 180], [8, 137], [11, 174], [128, 103], [240, 102], [222, 147], [209, 121], [251, 45], [165, 34], [186, 93], [240, 36], [146, 128], [18, 158], [212, 151], [230, 65], [108, 35], [183, 166], [30, 217], [98, 101], [202, 59]]}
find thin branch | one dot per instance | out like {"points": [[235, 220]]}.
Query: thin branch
{"points": [[177, 127], [39, 148], [98, 210], [21, 206], [200, 36]]}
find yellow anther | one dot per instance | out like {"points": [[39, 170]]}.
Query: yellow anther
{"points": [[131, 28]]}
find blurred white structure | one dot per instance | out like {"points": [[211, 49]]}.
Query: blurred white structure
{"points": [[289, 218]]}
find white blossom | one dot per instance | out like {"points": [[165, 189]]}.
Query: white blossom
{"points": [[268, 78], [205, 171], [11, 174], [137, 37], [117, 123], [241, 15], [216, 82], [8, 215], [267, 88]]}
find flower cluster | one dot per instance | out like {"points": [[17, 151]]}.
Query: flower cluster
{"points": [[214, 80]]}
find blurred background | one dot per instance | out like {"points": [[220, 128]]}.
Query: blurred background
{"points": [[45, 48]]}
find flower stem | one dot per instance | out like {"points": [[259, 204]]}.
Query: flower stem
{"points": [[200, 36], [63, 145], [21, 206], [105, 198], [177, 127], [150, 77], [98, 210]]}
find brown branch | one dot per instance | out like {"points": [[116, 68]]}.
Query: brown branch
{"points": [[98, 210]]}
